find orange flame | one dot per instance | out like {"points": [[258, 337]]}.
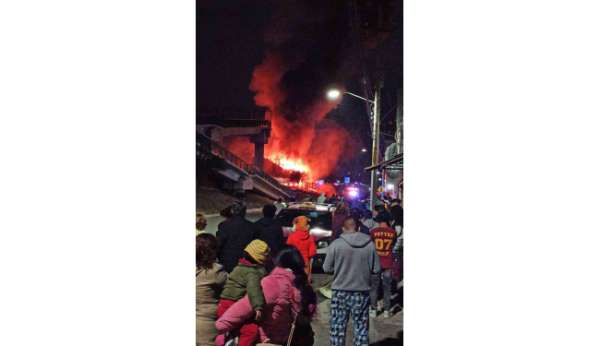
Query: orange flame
{"points": [[301, 140], [290, 164]]}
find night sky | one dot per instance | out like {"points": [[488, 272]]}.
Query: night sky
{"points": [[233, 36], [229, 45]]}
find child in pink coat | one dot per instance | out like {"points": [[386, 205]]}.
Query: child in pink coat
{"points": [[284, 301]]}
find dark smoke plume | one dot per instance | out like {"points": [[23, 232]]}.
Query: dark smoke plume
{"points": [[305, 48]]}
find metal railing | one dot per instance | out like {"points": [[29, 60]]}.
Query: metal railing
{"points": [[207, 145]]}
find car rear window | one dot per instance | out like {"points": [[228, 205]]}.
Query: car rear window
{"points": [[321, 219]]}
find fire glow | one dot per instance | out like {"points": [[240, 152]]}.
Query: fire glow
{"points": [[301, 140], [290, 83], [290, 164]]}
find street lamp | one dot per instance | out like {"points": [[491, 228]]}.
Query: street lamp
{"points": [[334, 94]]}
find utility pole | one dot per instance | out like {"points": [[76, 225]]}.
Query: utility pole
{"points": [[399, 123], [376, 112], [375, 135], [400, 141]]}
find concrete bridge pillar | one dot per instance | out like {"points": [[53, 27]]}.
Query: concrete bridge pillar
{"points": [[259, 148], [259, 155]]}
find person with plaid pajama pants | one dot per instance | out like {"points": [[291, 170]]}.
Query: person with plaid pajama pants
{"points": [[352, 260], [343, 305]]}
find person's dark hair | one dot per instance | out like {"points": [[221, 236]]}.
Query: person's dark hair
{"points": [[238, 209], [357, 214], [397, 213], [206, 250], [200, 221], [269, 210], [383, 216], [290, 258], [342, 209], [380, 208], [226, 212], [350, 217]]}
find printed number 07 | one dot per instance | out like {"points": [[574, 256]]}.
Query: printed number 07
{"points": [[383, 244]]}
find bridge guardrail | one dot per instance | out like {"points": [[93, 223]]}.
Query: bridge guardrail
{"points": [[208, 145]]}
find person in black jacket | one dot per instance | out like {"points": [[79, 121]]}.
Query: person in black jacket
{"points": [[233, 235], [270, 230], [397, 213]]}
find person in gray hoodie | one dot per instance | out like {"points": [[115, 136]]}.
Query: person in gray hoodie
{"points": [[352, 259]]}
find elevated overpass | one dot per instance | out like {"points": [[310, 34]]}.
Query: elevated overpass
{"points": [[243, 176], [218, 125]]}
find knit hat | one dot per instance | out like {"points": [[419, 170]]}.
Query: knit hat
{"points": [[301, 222], [258, 250]]}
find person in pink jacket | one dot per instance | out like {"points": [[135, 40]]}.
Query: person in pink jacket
{"points": [[287, 296]]}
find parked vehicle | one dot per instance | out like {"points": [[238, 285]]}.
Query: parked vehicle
{"points": [[321, 218]]}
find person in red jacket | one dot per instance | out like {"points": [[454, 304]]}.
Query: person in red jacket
{"points": [[303, 241]]}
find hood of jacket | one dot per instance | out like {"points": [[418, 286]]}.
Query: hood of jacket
{"points": [[356, 239], [283, 274], [300, 233]]}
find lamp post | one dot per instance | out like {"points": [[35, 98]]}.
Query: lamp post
{"points": [[334, 94], [375, 149]]}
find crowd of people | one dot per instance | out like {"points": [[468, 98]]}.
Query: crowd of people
{"points": [[253, 286]]}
